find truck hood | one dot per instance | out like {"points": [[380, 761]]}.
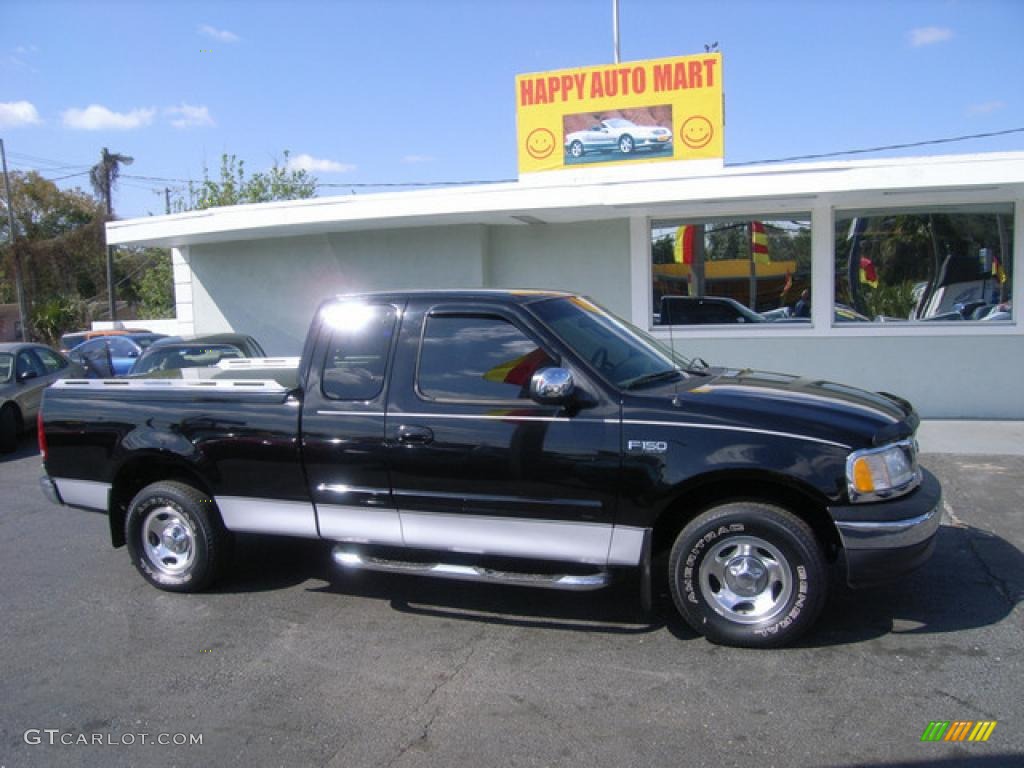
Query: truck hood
{"points": [[781, 403]]}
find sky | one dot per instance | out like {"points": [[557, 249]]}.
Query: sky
{"points": [[400, 92]]}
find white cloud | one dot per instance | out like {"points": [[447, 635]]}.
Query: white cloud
{"points": [[986, 107], [189, 116], [99, 118], [23, 50], [920, 36], [17, 113], [415, 159], [309, 163], [221, 35]]}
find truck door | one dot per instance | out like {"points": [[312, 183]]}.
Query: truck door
{"points": [[479, 467], [343, 423]]}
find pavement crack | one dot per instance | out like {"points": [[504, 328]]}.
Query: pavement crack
{"points": [[424, 732], [973, 538], [965, 703]]}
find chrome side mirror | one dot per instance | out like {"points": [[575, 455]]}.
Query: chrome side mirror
{"points": [[552, 386]]}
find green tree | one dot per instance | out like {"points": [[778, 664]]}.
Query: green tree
{"points": [[233, 188], [156, 286], [60, 240], [53, 317]]}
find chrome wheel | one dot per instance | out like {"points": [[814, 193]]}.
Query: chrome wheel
{"points": [[168, 540], [576, 149], [746, 580], [626, 144]]}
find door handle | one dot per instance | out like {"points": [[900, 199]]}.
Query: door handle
{"points": [[413, 435]]}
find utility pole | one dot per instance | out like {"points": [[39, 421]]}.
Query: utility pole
{"points": [[15, 256], [615, 28], [167, 199]]}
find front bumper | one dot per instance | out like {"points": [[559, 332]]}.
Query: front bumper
{"points": [[887, 539]]}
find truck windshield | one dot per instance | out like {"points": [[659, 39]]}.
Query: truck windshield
{"points": [[621, 352]]}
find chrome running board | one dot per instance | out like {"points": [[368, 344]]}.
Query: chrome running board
{"points": [[571, 582]]}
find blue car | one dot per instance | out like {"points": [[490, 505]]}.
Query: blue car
{"points": [[110, 356]]}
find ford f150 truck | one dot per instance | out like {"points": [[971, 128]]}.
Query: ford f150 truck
{"points": [[518, 437]]}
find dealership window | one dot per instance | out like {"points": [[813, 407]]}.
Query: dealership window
{"points": [[936, 263], [728, 271]]}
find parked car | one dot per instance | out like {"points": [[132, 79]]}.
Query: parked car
{"points": [[526, 438], [177, 355], [617, 133], [112, 355], [71, 340], [705, 310], [25, 371], [248, 345]]}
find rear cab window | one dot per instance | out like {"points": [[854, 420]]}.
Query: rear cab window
{"points": [[356, 358]]}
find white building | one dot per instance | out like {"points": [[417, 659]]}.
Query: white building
{"points": [[262, 269]]}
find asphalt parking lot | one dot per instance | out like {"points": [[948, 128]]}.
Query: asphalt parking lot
{"points": [[292, 664]]}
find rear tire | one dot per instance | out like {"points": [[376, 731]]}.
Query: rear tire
{"points": [[748, 574], [175, 537], [9, 424]]}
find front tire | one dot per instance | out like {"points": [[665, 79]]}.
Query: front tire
{"points": [[748, 574], [576, 149], [626, 144], [175, 537]]}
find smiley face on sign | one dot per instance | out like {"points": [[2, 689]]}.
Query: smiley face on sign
{"points": [[696, 132], [540, 143]]}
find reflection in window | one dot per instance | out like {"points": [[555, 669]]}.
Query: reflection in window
{"points": [[728, 271], [469, 357], [937, 264], [358, 352]]}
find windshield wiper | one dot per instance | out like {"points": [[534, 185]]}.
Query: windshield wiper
{"points": [[650, 378]]}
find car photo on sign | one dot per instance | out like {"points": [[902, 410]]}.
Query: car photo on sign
{"points": [[626, 134]]}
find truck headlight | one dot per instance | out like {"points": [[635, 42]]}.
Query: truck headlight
{"points": [[882, 473]]}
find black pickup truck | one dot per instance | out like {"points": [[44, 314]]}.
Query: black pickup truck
{"points": [[517, 437]]}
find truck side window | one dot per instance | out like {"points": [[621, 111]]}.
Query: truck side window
{"points": [[469, 357], [357, 354]]}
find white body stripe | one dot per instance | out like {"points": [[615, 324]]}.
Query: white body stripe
{"points": [[83, 493], [250, 515], [513, 537], [360, 525]]}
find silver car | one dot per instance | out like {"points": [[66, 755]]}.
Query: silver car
{"points": [[25, 371], [617, 133]]}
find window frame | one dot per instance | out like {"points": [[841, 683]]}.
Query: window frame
{"points": [[823, 207], [723, 215], [876, 208]]}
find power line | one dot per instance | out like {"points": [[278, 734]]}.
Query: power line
{"points": [[61, 164], [909, 145]]}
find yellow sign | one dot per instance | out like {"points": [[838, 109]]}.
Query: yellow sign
{"points": [[640, 111]]}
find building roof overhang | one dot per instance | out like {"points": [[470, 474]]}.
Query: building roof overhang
{"points": [[563, 198]]}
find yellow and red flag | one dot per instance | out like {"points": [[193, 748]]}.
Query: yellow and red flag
{"points": [[868, 274], [518, 371], [759, 243], [997, 269], [683, 251]]}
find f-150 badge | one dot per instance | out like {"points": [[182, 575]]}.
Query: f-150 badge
{"points": [[647, 446]]}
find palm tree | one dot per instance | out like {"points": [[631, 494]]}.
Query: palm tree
{"points": [[103, 176]]}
